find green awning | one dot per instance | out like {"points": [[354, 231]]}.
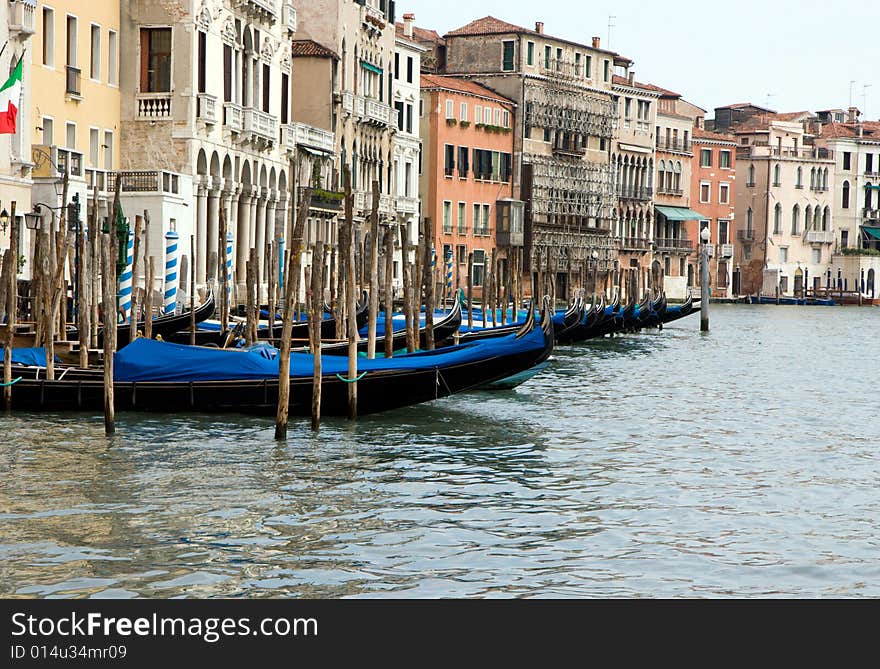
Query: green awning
{"points": [[871, 232], [679, 213], [371, 67], [870, 187]]}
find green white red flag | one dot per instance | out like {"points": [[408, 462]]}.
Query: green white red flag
{"points": [[10, 99]]}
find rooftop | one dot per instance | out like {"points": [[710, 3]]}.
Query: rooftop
{"points": [[420, 34], [306, 48], [436, 82], [701, 133]]}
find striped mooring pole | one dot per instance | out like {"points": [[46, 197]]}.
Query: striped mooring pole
{"points": [[172, 278], [449, 274], [228, 268], [125, 279]]}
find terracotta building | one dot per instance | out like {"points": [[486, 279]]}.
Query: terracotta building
{"points": [[713, 189], [466, 177]]}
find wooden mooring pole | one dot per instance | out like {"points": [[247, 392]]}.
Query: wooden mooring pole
{"points": [[350, 303], [11, 309], [374, 273], [316, 316], [389, 290]]}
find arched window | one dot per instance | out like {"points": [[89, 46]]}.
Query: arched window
{"points": [[813, 179], [817, 218], [661, 175], [796, 220], [800, 178], [825, 179], [678, 175], [777, 220], [845, 201], [777, 175], [808, 212], [826, 218], [751, 175]]}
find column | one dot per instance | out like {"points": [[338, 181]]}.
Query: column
{"points": [[201, 230], [213, 225], [260, 238], [269, 234], [252, 234], [243, 236]]}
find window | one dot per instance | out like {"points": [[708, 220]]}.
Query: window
{"points": [[461, 254], [547, 135], [558, 59], [783, 254], [95, 60], [751, 181], [266, 87], [71, 41], [777, 219], [421, 108], [48, 37], [462, 112], [847, 160], [463, 165], [750, 220], [497, 119], [108, 150], [112, 58], [747, 252], [845, 202], [478, 114], [799, 183], [462, 220], [487, 116], [450, 109], [409, 69], [627, 111], [505, 119], [705, 225], [577, 65], [48, 131], [401, 120], [397, 66], [202, 65], [869, 163], [449, 164], [71, 135], [796, 220], [777, 175], [507, 56], [530, 53], [724, 193], [285, 93], [479, 265], [476, 220], [588, 66], [94, 141], [724, 159], [409, 118], [607, 70], [155, 60], [705, 192], [547, 52], [723, 231], [485, 223], [705, 157], [817, 256], [447, 217]]}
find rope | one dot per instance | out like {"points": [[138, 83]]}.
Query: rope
{"points": [[355, 380], [11, 383]]}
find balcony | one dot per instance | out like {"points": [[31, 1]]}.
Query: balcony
{"points": [[325, 200], [289, 16], [154, 106], [406, 205], [674, 244], [635, 192], [570, 151], [96, 178], [379, 113], [819, 237], [21, 19], [73, 82], [363, 202], [316, 138], [726, 250], [47, 158], [710, 248], [675, 192], [762, 150], [264, 10], [145, 181], [206, 108], [678, 145], [232, 116], [871, 173], [745, 235], [871, 214], [634, 243], [259, 125]]}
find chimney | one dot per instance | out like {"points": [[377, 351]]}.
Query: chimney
{"points": [[632, 77], [596, 42], [539, 27], [853, 114], [408, 20]]}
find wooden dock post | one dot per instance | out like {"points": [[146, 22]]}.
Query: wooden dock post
{"points": [[389, 290], [95, 273], [222, 275], [316, 316], [83, 293], [272, 283], [148, 299], [133, 320], [11, 309], [470, 291], [418, 284], [111, 250], [406, 281], [374, 273], [192, 290], [294, 260], [428, 272], [350, 305]]}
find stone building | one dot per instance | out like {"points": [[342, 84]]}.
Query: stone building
{"points": [[785, 224], [344, 70], [18, 22], [206, 123], [562, 142], [632, 155]]}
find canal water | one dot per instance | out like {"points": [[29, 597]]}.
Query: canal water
{"points": [[663, 464]]}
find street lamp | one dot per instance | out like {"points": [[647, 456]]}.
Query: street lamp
{"points": [[704, 280], [32, 219], [4, 219]]}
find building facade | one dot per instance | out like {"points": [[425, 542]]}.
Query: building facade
{"points": [[562, 142], [18, 23], [467, 178], [713, 194], [206, 123]]}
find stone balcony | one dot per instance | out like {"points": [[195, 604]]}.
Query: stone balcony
{"points": [[206, 108], [406, 205], [145, 181], [264, 10], [259, 126], [674, 244], [634, 243], [289, 17], [726, 250], [363, 202], [369, 110], [153, 106], [315, 138], [819, 237], [232, 116], [21, 19]]}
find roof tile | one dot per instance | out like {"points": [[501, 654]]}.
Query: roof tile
{"points": [[460, 85]]}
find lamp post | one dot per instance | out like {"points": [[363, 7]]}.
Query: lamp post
{"points": [[4, 219], [704, 280]]}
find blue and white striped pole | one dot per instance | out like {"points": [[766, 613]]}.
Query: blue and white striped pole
{"points": [[229, 269], [449, 273], [281, 263], [172, 240], [125, 280]]}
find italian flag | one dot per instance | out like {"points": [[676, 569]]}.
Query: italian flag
{"points": [[10, 95]]}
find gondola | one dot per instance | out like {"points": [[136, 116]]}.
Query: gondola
{"points": [[590, 318], [673, 313], [299, 331], [165, 377]]}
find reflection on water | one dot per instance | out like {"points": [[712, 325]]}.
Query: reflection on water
{"points": [[661, 464]]}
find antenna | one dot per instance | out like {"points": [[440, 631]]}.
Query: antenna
{"points": [[770, 95], [851, 84], [865, 99], [610, 26]]}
